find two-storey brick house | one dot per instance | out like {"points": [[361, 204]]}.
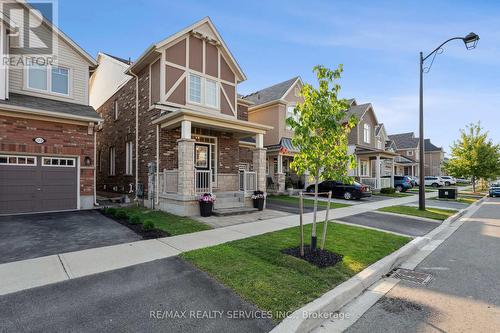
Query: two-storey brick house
{"points": [[46, 124], [173, 130]]}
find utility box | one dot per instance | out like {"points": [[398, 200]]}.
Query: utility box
{"points": [[448, 193]]}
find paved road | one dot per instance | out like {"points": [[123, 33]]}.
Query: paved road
{"points": [[36, 235], [122, 301], [401, 224], [463, 295]]}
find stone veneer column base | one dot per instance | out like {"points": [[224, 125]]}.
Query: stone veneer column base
{"points": [[186, 181], [259, 166]]}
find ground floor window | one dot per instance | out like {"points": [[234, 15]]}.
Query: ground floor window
{"points": [[363, 168], [112, 157], [129, 149]]}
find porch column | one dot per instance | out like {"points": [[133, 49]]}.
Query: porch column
{"points": [[377, 171], [392, 172], [280, 176], [259, 162], [185, 156]]}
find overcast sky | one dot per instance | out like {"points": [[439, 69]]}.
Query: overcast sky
{"points": [[376, 41]]}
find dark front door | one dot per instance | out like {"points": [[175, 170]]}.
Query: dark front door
{"points": [[202, 156], [37, 184]]}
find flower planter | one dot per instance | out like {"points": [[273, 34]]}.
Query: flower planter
{"points": [[206, 209]]}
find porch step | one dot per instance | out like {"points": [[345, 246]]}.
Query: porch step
{"points": [[233, 211]]}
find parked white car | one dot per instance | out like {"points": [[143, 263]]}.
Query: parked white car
{"points": [[433, 181], [448, 180]]}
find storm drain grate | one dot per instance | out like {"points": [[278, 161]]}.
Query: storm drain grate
{"points": [[412, 276]]}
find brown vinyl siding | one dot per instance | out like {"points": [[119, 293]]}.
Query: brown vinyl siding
{"points": [[195, 54], [211, 63], [155, 82], [225, 71]]}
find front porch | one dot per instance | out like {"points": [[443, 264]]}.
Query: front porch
{"points": [[280, 176], [198, 154], [375, 167]]}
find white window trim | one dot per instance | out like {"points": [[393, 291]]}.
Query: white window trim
{"points": [[49, 82], [367, 133], [289, 115], [17, 157], [409, 153], [116, 110], [44, 158], [129, 153], [203, 80], [112, 161]]}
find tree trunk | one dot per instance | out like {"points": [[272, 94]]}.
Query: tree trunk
{"points": [[314, 239], [473, 184]]}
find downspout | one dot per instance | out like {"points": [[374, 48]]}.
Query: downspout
{"points": [[95, 169], [136, 133]]}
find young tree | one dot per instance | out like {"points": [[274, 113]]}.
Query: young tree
{"points": [[321, 128], [474, 155]]}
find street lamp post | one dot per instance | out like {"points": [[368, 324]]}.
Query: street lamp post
{"points": [[470, 42]]}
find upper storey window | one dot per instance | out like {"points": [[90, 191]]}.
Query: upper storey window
{"points": [[203, 91], [367, 133], [52, 79]]}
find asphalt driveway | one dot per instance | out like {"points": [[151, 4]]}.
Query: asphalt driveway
{"points": [[401, 224], [37, 235], [159, 296]]}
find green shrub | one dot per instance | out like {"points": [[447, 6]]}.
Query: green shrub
{"points": [[134, 219], [388, 190], [121, 214], [148, 225], [110, 210]]}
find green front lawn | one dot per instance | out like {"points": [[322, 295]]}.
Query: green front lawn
{"points": [[256, 269], [307, 202], [430, 213], [417, 189], [173, 224]]}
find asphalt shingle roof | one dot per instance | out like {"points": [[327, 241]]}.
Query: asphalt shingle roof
{"points": [[429, 146], [125, 61], [271, 93], [46, 104], [405, 140], [358, 110]]}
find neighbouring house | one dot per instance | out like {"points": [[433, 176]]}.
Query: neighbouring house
{"points": [[272, 106], [47, 136], [408, 146], [369, 142], [177, 128], [434, 159]]}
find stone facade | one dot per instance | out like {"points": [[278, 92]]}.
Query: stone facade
{"points": [[259, 166], [61, 139]]}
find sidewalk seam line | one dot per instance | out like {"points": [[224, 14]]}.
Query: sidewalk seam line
{"points": [[63, 266]]}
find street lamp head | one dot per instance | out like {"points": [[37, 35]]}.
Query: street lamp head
{"points": [[471, 40]]}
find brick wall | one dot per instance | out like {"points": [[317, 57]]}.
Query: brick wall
{"points": [[16, 136]]}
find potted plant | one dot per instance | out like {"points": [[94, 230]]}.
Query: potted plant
{"points": [[258, 198], [206, 201]]}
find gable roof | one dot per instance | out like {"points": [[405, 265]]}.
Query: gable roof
{"points": [[272, 93], [359, 110], [431, 147], [405, 140], [206, 20], [51, 107], [124, 61], [61, 34]]}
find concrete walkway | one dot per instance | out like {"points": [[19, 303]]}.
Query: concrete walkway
{"points": [[20, 275]]}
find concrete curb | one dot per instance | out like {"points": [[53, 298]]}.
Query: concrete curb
{"points": [[313, 314]]}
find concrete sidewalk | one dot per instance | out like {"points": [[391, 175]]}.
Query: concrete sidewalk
{"points": [[20, 275], [463, 293]]}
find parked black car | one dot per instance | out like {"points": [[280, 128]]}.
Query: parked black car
{"points": [[346, 191]]}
